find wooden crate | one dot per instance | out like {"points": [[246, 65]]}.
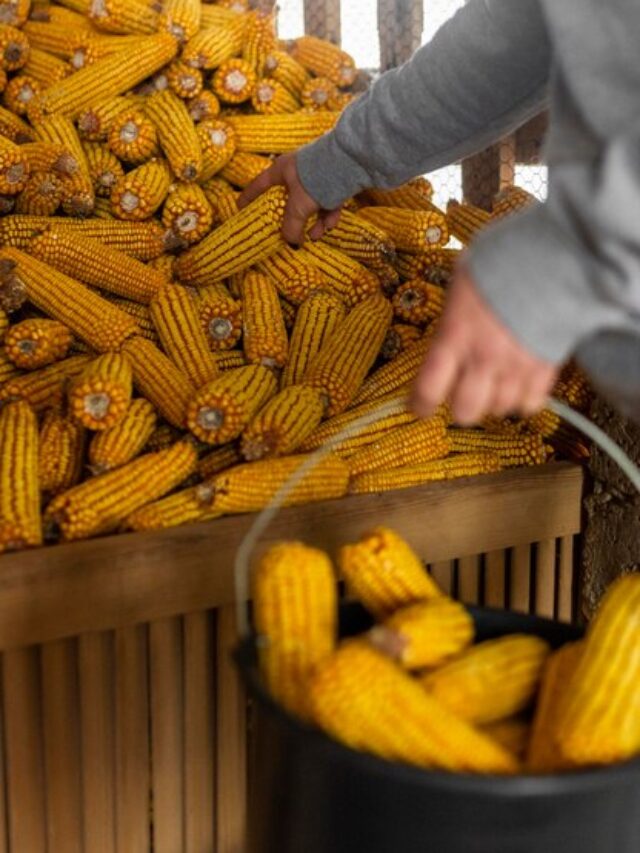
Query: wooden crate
{"points": [[123, 722]]}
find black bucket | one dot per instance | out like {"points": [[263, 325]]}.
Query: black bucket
{"points": [[309, 794]]}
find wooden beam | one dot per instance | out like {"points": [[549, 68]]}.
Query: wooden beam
{"points": [[400, 25], [322, 19], [530, 140], [488, 172]]}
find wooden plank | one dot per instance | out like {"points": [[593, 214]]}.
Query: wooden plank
{"points": [[132, 741], [97, 702], [566, 580], [4, 817], [545, 578], [495, 579], [520, 580], [469, 579], [61, 723], [25, 768], [167, 727], [199, 717], [444, 575], [231, 760], [122, 580]]}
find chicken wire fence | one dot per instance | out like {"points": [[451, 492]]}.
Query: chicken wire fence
{"points": [[381, 34]]}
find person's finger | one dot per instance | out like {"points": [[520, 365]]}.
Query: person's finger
{"points": [[294, 223], [317, 231], [507, 396], [537, 389], [327, 219], [269, 178], [436, 377], [473, 392]]}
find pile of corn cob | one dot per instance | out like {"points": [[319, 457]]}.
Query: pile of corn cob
{"points": [[416, 688], [166, 357]]}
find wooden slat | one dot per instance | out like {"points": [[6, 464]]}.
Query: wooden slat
{"points": [[199, 734], [61, 724], [494, 579], [4, 818], [444, 575], [545, 574], [232, 748], [97, 700], [566, 580], [25, 770], [469, 579], [122, 580], [167, 728], [132, 741], [520, 580]]}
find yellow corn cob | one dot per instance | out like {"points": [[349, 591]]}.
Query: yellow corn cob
{"points": [[95, 122], [177, 134], [395, 375], [452, 468], [288, 314], [132, 137], [512, 734], [44, 388], [124, 16], [277, 134], [573, 387], [600, 721], [162, 437], [3, 77], [398, 338], [13, 128], [265, 336], [234, 82], [465, 220], [176, 320], [418, 302], [79, 195], [14, 12], [14, 167], [218, 144], [101, 394], [19, 486], [344, 276], [221, 409], [163, 264], [295, 616], [408, 445], [19, 92], [14, 48], [216, 44], [410, 230], [325, 60], [4, 323], [283, 424], [37, 342], [107, 77], [183, 507], [245, 239], [510, 200], [388, 278], [434, 265], [243, 168], [341, 365], [259, 38], [362, 699], [414, 195], [187, 212], [46, 68], [8, 370], [159, 380], [90, 47], [251, 487], [543, 754], [203, 106], [74, 13], [61, 446], [319, 93], [42, 194], [13, 291], [522, 449], [294, 279], [184, 81], [271, 98], [181, 18], [491, 681], [141, 192], [104, 168], [424, 634], [98, 265], [100, 504], [286, 70], [220, 317], [218, 460], [316, 320], [113, 447], [361, 240], [222, 198]]}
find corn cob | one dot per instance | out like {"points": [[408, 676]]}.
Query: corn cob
{"points": [[286, 70], [220, 316], [222, 198], [434, 265], [214, 45], [95, 122], [4, 324], [259, 38], [98, 265], [491, 681], [294, 279], [176, 320], [341, 365], [105, 169], [510, 200], [344, 276], [418, 302], [362, 699], [599, 723], [14, 167], [113, 447], [425, 634], [132, 137], [14, 12], [277, 134], [8, 370], [61, 446], [100, 504], [13, 128], [19, 486], [410, 230], [465, 220], [265, 336], [398, 339], [141, 192], [319, 93], [142, 316], [37, 342], [245, 239], [522, 449], [218, 460], [218, 144], [45, 67], [3, 79], [19, 92], [14, 48], [181, 18], [316, 320], [543, 753], [79, 195], [73, 13], [243, 168], [124, 16], [107, 77], [221, 409], [234, 82], [42, 194], [184, 81], [100, 396], [295, 616], [451, 468], [283, 424], [272, 98], [183, 507], [512, 735], [163, 436], [13, 292], [89, 47], [251, 487], [43, 389], [383, 572], [395, 375], [288, 314], [203, 106], [159, 380], [361, 240], [414, 195], [187, 212], [408, 445], [177, 134], [325, 60]]}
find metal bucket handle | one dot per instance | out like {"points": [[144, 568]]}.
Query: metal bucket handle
{"points": [[246, 548]]}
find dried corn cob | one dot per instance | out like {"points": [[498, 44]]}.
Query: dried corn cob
{"points": [[177, 134], [187, 212], [218, 460], [344, 276], [163, 264], [44, 388], [218, 144], [19, 486], [13, 292], [451, 468], [184, 81], [522, 449], [511, 200], [124, 16], [265, 337], [234, 82], [14, 167], [4, 323], [341, 365], [418, 302], [465, 220], [183, 507], [245, 239], [95, 122], [600, 723], [319, 93], [133, 137], [361, 240], [277, 134], [294, 279], [491, 681], [271, 98], [100, 396], [243, 168], [181, 18], [141, 192], [37, 342], [434, 265], [295, 616], [19, 92], [251, 487], [176, 320], [113, 447], [216, 44], [408, 445], [42, 194], [325, 60], [100, 504], [79, 195], [288, 314], [316, 320], [163, 436], [222, 198], [8, 370], [203, 106], [286, 70], [283, 424], [512, 734], [45, 67], [361, 698], [410, 230], [398, 339], [414, 195], [104, 168], [259, 38], [424, 634], [159, 380], [221, 409], [220, 316], [61, 446], [102, 208], [14, 48], [90, 47], [395, 375], [14, 12], [13, 128]]}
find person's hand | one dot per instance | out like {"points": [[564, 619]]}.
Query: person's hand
{"points": [[477, 364], [300, 206]]}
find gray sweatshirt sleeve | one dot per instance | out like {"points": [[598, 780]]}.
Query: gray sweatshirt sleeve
{"points": [[483, 74]]}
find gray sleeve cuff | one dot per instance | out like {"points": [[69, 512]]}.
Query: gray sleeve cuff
{"points": [[328, 173]]}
